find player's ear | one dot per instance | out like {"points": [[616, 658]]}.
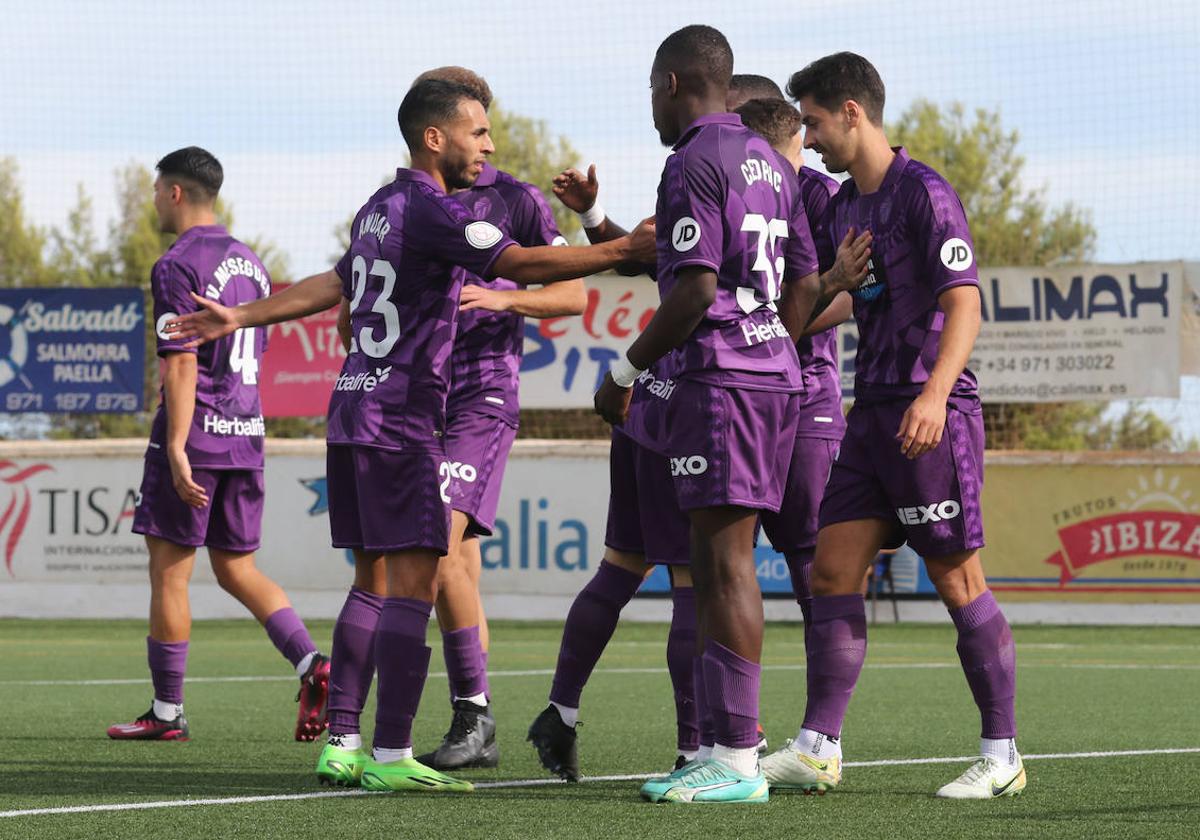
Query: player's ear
{"points": [[434, 138], [852, 112], [176, 194], [672, 84]]}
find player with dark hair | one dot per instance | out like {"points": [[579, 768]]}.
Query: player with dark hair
{"points": [[203, 479], [793, 531], [733, 250], [482, 414], [746, 86], [645, 528], [387, 461], [911, 462]]}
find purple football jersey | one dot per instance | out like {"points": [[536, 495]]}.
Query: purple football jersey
{"points": [[729, 202], [486, 360], [921, 247], [227, 425], [402, 273], [821, 409]]}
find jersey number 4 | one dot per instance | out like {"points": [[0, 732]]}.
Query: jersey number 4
{"points": [[364, 340], [241, 356], [767, 261]]}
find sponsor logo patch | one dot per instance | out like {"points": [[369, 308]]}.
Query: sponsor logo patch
{"points": [[483, 235]]}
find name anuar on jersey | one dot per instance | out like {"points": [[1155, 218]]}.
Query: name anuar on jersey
{"points": [[375, 224], [232, 267]]}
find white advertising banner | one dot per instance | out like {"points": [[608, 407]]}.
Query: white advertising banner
{"points": [[1090, 332], [66, 511]]}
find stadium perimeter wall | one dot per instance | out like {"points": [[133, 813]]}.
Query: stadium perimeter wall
{"points": [[1072, 537]]}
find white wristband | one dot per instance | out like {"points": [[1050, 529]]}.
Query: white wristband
{"points": [[592, 217], [623, 372]]}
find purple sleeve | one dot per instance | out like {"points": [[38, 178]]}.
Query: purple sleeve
{"points": [[533, 220], [692, 215], [171, 285], [450, 233], [342, 269], [800, 256], [940, 227]]}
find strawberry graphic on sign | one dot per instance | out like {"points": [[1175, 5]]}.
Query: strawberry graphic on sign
{"points": [[15, 502]]}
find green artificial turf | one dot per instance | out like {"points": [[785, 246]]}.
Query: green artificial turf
{"points": [[1079, 690]]}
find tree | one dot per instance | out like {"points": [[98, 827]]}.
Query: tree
{"points": [[1012, 225], [21, 244]]}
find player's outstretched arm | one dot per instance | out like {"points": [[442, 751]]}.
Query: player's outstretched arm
{"points": [[922, 425], [839, 311], [312, 294], [676, 318], [550, 263], [179, 400], [568, 297]]}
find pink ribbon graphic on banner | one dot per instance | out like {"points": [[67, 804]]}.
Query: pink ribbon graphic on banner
{"points": [[16, 512], [1154, 532]]}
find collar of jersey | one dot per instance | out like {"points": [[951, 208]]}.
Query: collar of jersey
{"points": [[200, 230], [487, 177], [708, 119], [898, 163], [417, 175]]}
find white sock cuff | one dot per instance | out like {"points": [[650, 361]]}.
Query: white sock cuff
{"points": [[569, 716]]}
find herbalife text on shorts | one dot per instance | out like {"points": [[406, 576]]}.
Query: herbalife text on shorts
{"points": [[1048, 390]]}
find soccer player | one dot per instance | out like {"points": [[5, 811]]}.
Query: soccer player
{"points": [[645, 528], [203, 478], [387, 464], [793, 531], [911, 463], [733, 250], [746, 86]]}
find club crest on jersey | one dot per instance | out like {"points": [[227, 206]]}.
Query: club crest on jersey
{"points": [[956, 254], [483, 235], [686, 234], [160, 328], [871, 288]]}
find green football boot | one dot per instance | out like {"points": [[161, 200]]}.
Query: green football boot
{"points": [[408, 774]]}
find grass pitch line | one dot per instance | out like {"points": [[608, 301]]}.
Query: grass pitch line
{"points": [[526, 783], [549, 672]]}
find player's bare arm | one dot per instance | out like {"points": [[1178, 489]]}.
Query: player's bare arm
{"points": [[568, 297], [796, 302], [179, 397], [311, 295], [923, 422], [677, 317], [839, 311], [549, 263]]}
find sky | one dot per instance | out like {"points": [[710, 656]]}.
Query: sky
{"points": [[298, 100]]}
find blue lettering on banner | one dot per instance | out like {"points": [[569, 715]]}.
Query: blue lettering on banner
{"points": [[77, 350], [535, 541], [1080, 298]]}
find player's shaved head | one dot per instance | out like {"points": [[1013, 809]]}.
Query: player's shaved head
{"points": [[461, 76], [197, 172], [774, 119], [430, 102], [833, 80], [699, 56], [746, 86]]}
